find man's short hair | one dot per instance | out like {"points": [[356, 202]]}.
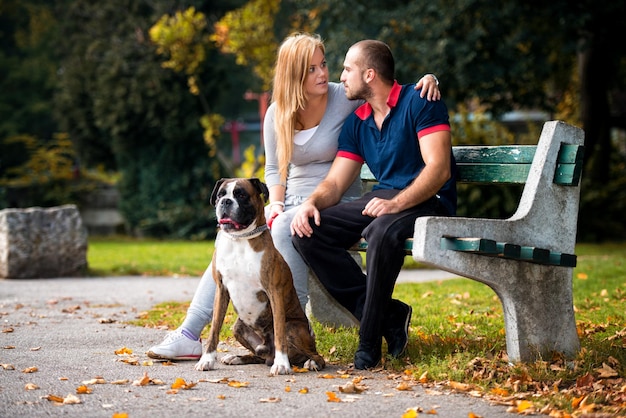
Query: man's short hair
{"points": [[377, 55]]}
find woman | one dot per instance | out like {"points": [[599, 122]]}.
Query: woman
{"points": [[300, 129]]}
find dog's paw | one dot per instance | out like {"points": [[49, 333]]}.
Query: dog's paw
{"points": [[281, 364], [206, 362], [312, 365], [232, 360]]}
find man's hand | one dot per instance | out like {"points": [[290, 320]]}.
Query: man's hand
{"points": [[377, 207], [300, 225]]}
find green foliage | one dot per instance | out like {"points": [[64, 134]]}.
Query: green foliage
{"points": [[183, 39], [49, 176], [252, 166], [248, 32], [28, 69], [121, 102], [479, 128]]}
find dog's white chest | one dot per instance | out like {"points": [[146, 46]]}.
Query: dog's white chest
{"points": [[240, 267]]}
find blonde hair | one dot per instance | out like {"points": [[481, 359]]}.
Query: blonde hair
{"points": [[292, 66]]}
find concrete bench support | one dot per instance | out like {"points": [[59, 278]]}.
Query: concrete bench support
{"points": [[42, 242], [537, 299]]}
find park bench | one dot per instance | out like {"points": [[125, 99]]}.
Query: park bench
{"points": [[527, 259]]}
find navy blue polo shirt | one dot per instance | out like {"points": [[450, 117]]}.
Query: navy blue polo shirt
{"points": [[393, 153]]}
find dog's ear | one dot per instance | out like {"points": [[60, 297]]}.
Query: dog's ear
{"points": [[213, 199], [261, 188]]}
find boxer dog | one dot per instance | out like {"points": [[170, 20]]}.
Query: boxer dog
{"points": [[250, 271]]}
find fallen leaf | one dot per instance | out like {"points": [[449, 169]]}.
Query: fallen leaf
{"points": [[332, 397], [35, 349], [405, 386], [120, 415], [71, 309], [133, 361], [7, 330], [31, 386], [222, 397], [145, 380], [83, 389], [94, 381], [30, 370], [304, 390], [180, 383], [9, 347], [123, 351], [460, 386], [7, 366], [350, 387], [120, 382], [287, 388], [297, 369], [424, 377], [269, 400], [54, 398], [606, 371], [412, 413], [71, 400], [236, 384], [524, 405]]}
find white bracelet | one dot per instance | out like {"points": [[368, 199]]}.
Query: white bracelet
{"points": [[278, 202]]}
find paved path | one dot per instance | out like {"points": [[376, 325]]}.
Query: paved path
{"points": [[69, 329]]}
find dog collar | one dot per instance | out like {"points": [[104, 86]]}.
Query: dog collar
{"points": [[250, 234]]}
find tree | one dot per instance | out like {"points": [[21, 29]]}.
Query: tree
{"points": [[27, 77], [117, 101]]}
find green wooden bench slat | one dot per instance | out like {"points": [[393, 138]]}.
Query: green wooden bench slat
{"points": [[475, 245], [507, 164], [539, 255], [361, 245], [565, 260], [492, 173], [569, 165], [485, 154], [507, 250]]}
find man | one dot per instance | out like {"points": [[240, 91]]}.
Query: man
{"points": [[405, 140]]}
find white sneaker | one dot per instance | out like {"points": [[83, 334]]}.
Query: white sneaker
{"points": [[176, 346]]}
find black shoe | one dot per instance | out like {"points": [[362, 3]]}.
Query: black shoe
{"points": [[397, 331], [366, 357]]}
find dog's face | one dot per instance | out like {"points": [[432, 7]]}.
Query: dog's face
{"points": [[239, 203]]}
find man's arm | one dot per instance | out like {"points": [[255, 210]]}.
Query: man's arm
{"points": [[340, 177], [435, 148]]}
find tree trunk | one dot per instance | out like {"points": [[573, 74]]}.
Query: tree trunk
{"points": [[596, 68]]}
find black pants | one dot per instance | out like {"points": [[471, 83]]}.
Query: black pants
{"points": [[367, 296]]}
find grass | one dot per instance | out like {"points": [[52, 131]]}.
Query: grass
{"points": [[457, 329], [124, 256]]}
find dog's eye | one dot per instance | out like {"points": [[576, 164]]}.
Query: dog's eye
{"points": [[240, 194]]}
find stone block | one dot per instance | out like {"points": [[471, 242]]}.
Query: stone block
{"points": [[42, 242]]}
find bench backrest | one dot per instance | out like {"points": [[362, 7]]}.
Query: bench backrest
{"points": [[507, 164]]}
